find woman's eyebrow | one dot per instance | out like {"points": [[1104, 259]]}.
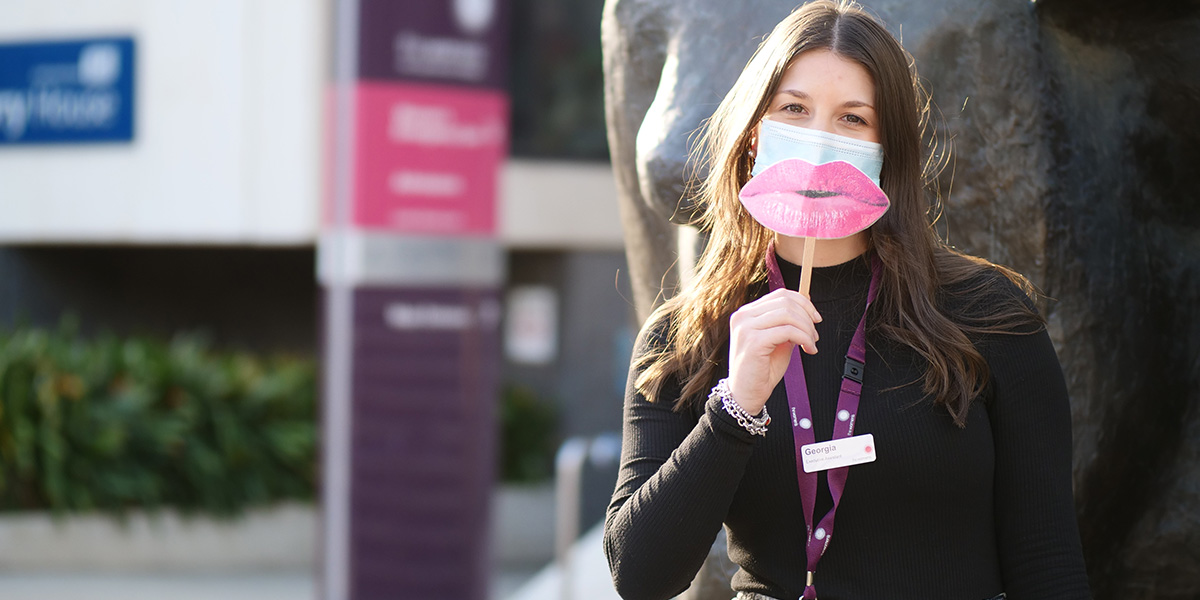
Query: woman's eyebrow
{"points": [[803, 96], [797, 93]]}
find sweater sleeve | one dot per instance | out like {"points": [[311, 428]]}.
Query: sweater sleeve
{"points": [[1036, 527], [679, 472]]}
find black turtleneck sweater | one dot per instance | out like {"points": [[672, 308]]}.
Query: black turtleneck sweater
{"points": [[943, 513]]}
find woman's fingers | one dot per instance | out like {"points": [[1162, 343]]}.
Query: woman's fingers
{"points": [[759, 356], [761, 337], [782, 298], [763, 340], [774, 315]]}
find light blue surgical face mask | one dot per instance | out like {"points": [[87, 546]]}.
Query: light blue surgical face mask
{"points": [[780, 141]]}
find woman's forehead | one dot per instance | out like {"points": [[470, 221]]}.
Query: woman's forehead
{"points": [[822, 72]]}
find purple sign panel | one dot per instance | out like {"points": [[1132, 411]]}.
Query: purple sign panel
{"points": [[425, 375], [459, 42], [413, 368]]}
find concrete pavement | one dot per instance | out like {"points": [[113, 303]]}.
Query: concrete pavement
{"points": [[286, 585], [151, 586]]}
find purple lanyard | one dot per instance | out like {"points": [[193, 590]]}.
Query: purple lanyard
{"points": [[843, 424]]}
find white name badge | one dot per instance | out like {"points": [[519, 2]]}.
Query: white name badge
{"points": [[838, 453]]}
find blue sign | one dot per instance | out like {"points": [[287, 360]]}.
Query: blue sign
{"points": [[67, 92]]}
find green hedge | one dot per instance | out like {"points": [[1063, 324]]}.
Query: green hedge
{"points": [[528, 436], [111, 423]]}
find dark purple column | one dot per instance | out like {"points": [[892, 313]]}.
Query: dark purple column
{"points": [[425, 369], [412, 273]]}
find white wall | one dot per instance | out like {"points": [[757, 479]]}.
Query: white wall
{"points": [[559, 204], [227, 130], [229, 138]]}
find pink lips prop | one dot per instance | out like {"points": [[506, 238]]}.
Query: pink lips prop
{"points": [[799, 199]]}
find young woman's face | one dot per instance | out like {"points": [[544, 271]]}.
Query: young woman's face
{"points": [[823, 91]]}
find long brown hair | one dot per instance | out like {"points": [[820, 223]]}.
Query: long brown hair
{"points": [[916, 264]]}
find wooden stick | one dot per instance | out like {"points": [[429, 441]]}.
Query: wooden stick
{"points": [[810, 245]]}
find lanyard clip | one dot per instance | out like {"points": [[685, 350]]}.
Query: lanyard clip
{"points": [[854, 370], [810, 592]]}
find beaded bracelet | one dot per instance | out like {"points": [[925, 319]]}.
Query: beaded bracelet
{"points": [[755, 425]]}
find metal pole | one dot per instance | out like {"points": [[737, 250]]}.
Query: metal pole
{"points": [[568, 467]]}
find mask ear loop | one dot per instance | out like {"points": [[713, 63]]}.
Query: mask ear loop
{"points": [[751, 155], [751, 152]]}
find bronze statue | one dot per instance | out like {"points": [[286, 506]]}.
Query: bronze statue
{"points": [[1074, 135]]}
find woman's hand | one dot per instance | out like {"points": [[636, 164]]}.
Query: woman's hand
{"points": [[761, 337]]}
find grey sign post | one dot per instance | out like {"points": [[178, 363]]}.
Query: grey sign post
{"points": [[411, 271]]}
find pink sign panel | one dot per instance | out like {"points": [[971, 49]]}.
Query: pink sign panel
{"points": [[428, 158]]}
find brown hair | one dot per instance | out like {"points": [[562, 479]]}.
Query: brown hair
{"points": [[916, 264]]}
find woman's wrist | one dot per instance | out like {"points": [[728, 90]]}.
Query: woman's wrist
{"points": [[755, 424], [751, 403]]}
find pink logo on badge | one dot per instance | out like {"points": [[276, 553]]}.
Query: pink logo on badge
{"points": [[867, 449]]}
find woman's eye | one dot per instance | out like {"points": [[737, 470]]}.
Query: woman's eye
{"points": [[855, 119], [793, 108]]}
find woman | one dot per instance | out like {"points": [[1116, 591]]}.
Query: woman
{"points": [[968, 495]]}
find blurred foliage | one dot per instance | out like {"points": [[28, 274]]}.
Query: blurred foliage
{"points": [[556, 80], [528, 436], [118, 422]]}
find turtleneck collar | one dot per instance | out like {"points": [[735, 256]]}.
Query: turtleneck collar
{"points": [[834, 282]]}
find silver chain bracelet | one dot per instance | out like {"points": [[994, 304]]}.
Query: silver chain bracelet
{"points": [[755, 425]]}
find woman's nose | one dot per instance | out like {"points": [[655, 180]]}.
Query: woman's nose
{"points": [[822, 123]]}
